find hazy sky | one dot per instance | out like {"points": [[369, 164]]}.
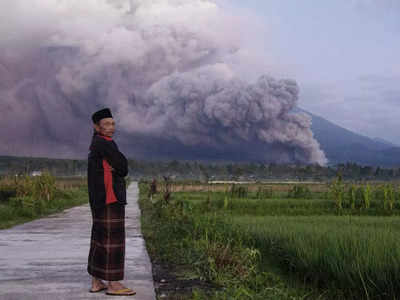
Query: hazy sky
{"points": [[178, 71], [345, 55], [69, 57]]}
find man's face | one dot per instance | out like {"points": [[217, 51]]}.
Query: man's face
{"points": [[106, 127]]}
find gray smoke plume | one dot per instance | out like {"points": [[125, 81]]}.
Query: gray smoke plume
{"points": [[172, 71]]}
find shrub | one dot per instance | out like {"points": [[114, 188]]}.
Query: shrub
{"points": [[239, 192], [264, 193], [299, 192], [6, 192]]}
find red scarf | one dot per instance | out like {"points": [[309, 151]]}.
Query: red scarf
{"points": [[110, 196]]}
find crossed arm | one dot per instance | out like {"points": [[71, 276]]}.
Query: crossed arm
{"points": [[114, 157]]}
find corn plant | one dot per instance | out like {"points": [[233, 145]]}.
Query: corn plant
{"points": [[352, 196], [397, 194], [337, 191], [389, 196], [226, 202], [44, 187], [367, 196], [35, 193]]}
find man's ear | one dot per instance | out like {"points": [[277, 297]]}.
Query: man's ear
{"points": [[96, 126]]}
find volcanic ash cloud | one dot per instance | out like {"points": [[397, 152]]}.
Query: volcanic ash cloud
{"points": [[175, 74]]}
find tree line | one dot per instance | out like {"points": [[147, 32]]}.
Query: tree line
{"points": [[203, 170]]}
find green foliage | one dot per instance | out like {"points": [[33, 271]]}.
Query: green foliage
{"points": [[337, 191], [193, 170], [238, 192], [367, 196], [226, 202], [352, 194], [182, 233], [337, 252], [128, 181], [34, 193], [299, 192], [7, 191], [32, 197], [389, 196], [236, 242], [264, 193]]}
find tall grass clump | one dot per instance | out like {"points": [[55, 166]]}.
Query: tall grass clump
{"points": [[389, 196], [337, 190], [238, 191], [33, 194], [352, 194], [367, 196], [7, 191], [27, 197], [299, 191], [264, 193]]}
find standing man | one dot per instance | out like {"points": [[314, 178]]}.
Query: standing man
{"points": [[107, 167]]}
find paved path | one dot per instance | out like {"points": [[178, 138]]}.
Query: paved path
{"points": [[47, 258]]}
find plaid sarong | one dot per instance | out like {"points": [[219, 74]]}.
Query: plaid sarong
{"points": [[107, 246]]}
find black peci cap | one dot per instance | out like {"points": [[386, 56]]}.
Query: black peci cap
{"points": [[101, 114]]}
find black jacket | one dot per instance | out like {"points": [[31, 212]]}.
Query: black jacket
{"points": [[103, 152]]}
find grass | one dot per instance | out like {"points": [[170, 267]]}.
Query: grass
{"points": [[357, 256], [179, 234], [11, 215], [27, 198], [277, 247], [280, 204]]}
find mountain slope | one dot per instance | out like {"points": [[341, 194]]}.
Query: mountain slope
{"points": [[341, 145]]}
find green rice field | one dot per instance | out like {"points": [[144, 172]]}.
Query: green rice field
{"points": [[337, 243]]}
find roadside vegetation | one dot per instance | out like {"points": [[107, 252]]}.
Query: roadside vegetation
{"points": [[24, 198], [337, 240]]}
